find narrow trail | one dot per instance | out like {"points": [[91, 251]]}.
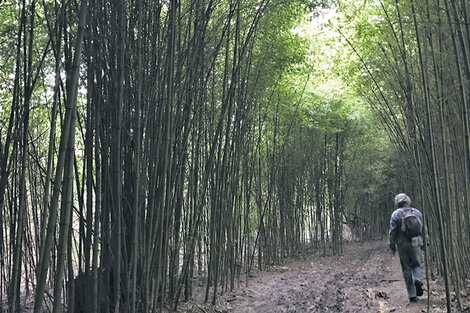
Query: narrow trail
{"points": [[366, 278]]}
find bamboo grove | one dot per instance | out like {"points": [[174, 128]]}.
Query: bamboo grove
{"points": [[152, 151], [415, 73], [147, 146]]}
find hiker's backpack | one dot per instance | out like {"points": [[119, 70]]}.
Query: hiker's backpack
{"points": [[411, 225]]}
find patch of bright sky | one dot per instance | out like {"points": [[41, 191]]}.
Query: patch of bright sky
{"points": [[325, 43], [329, 54]]}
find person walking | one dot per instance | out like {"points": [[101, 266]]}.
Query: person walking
{"points": [[406, 234]]}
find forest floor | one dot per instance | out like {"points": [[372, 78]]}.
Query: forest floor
{"points": [[366, 278]]}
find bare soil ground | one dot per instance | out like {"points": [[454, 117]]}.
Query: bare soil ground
{"points": [[366, 278]]}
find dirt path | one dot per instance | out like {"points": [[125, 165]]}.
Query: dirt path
{"points": [[367, 278]]}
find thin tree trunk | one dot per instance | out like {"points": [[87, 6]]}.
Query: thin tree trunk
{"points": [[136, 204], [433, 160], [28, 89], [67, 127]]}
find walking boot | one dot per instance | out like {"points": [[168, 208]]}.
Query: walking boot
{"points": [[419, 288]]}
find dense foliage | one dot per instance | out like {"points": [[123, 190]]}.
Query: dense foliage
{"points": [[146, 145], [412, 66]]}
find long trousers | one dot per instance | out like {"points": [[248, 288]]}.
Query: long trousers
{"points": [[410, 259]]}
